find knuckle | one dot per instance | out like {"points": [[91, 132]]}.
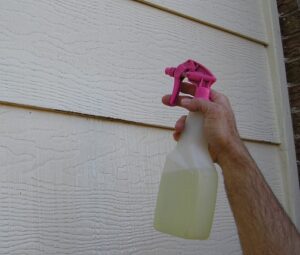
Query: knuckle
{"points": [[219, 110], [226, 99], [194, 105]]}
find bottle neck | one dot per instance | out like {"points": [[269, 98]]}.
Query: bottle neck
{"points": [[193, 131], [193, 142]]}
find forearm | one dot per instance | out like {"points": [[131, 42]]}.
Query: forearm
{"points": [[263, 226]]}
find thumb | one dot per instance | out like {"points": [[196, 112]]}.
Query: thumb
{"points": [[195, 105]]}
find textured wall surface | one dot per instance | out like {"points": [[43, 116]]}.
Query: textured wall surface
{"points": [[74, 185], [83, 133], [106, 58], [243, 17], [289, 16]]}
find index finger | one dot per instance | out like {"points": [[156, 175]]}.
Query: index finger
{"points": [[166, 99]]}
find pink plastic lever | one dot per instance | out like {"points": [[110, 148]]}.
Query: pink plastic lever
{"points": [[196, 73]]}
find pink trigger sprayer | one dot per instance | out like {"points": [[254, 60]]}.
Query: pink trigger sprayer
{"points": [[188, 187]]}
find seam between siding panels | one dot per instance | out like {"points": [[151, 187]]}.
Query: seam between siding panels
{"points": [[106, 118], [202, 22]]}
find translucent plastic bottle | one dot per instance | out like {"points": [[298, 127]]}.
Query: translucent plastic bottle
{"points": [[188, 187]]}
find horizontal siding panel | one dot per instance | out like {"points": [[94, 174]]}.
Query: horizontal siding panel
{"points": [[244, 17], [74, 185], [106, 58]]}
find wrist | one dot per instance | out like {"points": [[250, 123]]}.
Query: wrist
{"points": [[234, 153]]}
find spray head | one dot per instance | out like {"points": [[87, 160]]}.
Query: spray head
{"points": [[196, 73]]}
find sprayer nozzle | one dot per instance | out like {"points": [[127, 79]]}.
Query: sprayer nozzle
{"points": [[170, 71]]}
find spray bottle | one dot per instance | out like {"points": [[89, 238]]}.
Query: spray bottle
{"points": [[188, 187]]}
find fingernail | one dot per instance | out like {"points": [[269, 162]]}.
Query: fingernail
{"points": [[185, 101]]}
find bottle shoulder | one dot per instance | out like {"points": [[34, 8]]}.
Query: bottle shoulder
{"points": [[190, 157]]}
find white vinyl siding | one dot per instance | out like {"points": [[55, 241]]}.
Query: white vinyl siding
{"points": [[83, 133], [108, 59], [243, 17], [74, 185]]}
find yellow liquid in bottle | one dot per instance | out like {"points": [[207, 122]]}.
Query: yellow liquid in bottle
{"points": [[186, 203]]}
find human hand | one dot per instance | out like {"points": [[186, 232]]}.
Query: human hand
{"points": [[219, 122]]}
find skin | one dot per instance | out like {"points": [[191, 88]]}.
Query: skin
{"points": [[263, 226]]}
